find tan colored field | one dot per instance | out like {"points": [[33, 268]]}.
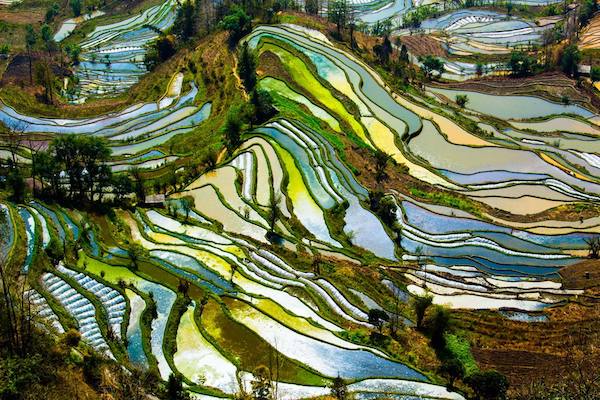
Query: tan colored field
{"points": [[422, 45], [590, 37]]}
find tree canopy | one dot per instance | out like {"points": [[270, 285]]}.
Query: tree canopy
{"points": [[238, 23]]}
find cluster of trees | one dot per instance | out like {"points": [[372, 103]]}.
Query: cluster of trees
{"points": [[341, 14], [436, 323], [413, 18], [238, 23], [587, 9], [384, 50], [73, 168], [258, 109], [431, 64], [52, 12], [160, 51], [195, 18], [42, 72], [522, 64]]}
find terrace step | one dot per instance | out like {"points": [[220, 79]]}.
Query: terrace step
{"points": [[112, 300], [87, 323]]}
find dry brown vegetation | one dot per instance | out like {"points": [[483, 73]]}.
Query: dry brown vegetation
{"points": [[423, 45], [583, 275], [526, 352]]}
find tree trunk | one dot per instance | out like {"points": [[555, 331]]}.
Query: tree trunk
{"points": [[30, 68]]}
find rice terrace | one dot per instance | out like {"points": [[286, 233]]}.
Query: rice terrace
{"points": [[299, 199]]}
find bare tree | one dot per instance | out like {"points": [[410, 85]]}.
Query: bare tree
{"points": [[34, 148], [394, 322], [12, 137], [593, 246], [15, 307]]}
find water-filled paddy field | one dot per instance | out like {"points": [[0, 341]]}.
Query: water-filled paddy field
{"points": [[255, 292]]}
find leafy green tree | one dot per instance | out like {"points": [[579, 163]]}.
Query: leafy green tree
{"points": [[186, 206], [381, 162], [338, 12], [431, 64], [439, 323], [233, 129], [404, 54], [509, 8], [52, 12], [238, 23], [165, 45], [55, 251], [122, 186], [76, 6], [452, 369], [462, 100], [46, 33], [413, 18], [587, 10], [262, 106], [384, 206], [73, 51], [175, 389], [47, 169], [135, 253], [247, 67], [479, 67], [378, 318], [185, 25], [83, 158], [488, 385], [160, 51], [520, 64], [273, 213], [420, 305], [384, 50], [311, 7], [47, 38], [16, 183], [595, 74], [339, 389], [71, 338], [139, 183], [570, 59], [387, 211], [45, 77]]}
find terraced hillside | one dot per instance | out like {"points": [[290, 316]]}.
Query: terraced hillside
{"points": [[278, 253]]}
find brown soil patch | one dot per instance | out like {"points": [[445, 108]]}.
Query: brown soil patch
{"points": [[31, 16], [423, 45], [518, 366], [17, 71], [526, 352], [269, 65], [574, 276]]}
